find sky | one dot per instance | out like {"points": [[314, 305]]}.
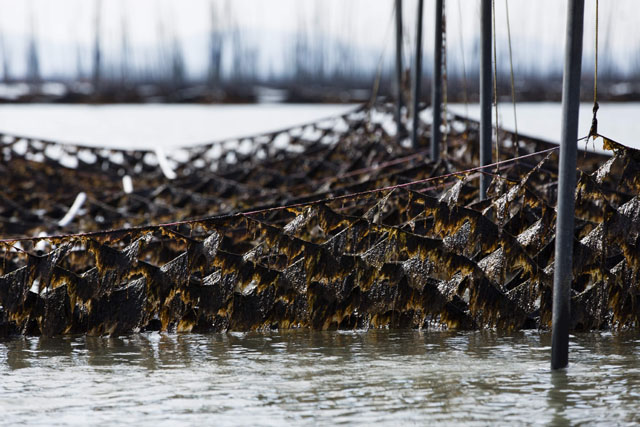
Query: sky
{"points": [[537, 27]]}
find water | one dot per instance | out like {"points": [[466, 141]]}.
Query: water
{"points": [[319, 378], [173, 125], [617, 121], [150, 126], [303, 377]]}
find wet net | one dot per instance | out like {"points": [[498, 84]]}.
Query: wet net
{"points": [[328, 225]]}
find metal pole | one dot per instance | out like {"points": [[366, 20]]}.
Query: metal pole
{"points": [[562, 274], [436, 85], [399, 97], [485, 93], [417, 77]]}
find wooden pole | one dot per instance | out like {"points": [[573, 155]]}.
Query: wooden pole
{"points": [[417, 77], [562, 274], [485, 93]]}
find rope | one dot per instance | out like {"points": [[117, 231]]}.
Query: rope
{"points": [[495, 81], [464, 65], [513, 86], [593, 132], [272, 209], [376, 82], [361, 171]]}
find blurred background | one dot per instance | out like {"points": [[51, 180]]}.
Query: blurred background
{"points": [[222, 51]]}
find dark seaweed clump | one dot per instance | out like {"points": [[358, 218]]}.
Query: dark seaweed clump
{"points": [[430, 255]]}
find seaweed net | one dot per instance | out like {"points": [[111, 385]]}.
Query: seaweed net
{"points": [[328, 225]]}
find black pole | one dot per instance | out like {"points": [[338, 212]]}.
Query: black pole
{"points": [[436, 85], [485, 93], [399, 98], [417, 77], [562, 274]]}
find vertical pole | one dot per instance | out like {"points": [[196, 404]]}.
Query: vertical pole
{"points": [[417, 77], [485, 93], [399, 97], [562, 274], [97, 60], [436, 85]]}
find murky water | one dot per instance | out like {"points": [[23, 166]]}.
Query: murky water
{"points": [[319, 378]]}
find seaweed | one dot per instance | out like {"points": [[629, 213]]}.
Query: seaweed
{"points": [[343, 228]]}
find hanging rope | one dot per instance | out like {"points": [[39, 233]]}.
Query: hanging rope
{"points": [[376, 82], [464, 65], [516, 142], [593, 132], [495, 82]]}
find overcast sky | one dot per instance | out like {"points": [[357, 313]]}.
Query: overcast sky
{"points": [[537, 26]]}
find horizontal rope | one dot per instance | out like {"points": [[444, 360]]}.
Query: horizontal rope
{"points": [[361, 171], [272, 209]]}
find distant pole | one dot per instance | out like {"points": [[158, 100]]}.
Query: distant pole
{"points": [[562, 274], [436, 85], [399, 68], [417, 76], [97, 59], [485, 93]]}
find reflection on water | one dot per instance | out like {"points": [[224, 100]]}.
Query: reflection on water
{"points": [[558, 397], [386, 377]]}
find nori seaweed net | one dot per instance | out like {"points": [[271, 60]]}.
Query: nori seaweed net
{"points": [[429, 255]]}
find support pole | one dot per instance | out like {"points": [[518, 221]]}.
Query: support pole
{"points": [[97, 49], [485, 93], [436, 85], [399, 97], [562, 274], [417, 77]]}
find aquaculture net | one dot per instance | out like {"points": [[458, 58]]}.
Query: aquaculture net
{"points": [[328, 225]]}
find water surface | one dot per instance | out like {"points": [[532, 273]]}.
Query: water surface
{"points": [[302, 377], [148, 126], [319, 378], [616, 120]]}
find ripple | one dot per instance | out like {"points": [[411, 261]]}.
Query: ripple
{"points": [[319, 378]]}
